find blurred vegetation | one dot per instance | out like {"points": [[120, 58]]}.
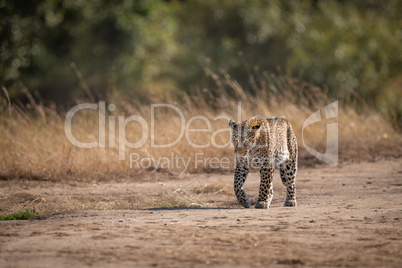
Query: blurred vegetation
{"points": [[23, 215], [62, 50]]}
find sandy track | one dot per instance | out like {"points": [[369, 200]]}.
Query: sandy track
{"points": [[346, 216]]}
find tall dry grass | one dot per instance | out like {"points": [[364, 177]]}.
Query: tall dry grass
{"points": [[33, 143]]}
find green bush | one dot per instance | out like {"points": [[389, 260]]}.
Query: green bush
{"points": [[23, 215]]}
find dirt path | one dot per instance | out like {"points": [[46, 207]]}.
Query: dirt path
{"points": [[346, 216]]}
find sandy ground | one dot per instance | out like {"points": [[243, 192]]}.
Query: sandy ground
{"points": [[346, 216]]}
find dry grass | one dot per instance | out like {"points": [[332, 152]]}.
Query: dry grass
{"points": [[64, 198], [33, 143], [216, 188]]}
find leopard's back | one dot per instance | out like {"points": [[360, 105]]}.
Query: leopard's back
{"points": [[283, 141]]}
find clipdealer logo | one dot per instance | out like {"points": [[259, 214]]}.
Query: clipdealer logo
{"points": [[176, 161], [331, 153]]}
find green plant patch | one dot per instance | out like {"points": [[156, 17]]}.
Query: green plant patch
{"points": [[23, 215]]}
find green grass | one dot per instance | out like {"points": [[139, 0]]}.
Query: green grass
{"points": [[23, 215]]}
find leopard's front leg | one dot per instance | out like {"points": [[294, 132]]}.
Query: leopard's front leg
{"points": [[266, 190], [241, 172]]}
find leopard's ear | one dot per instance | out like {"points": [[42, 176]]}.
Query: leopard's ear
{"points": [[232, 123]]}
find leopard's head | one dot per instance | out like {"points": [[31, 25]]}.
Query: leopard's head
{"points": [[249, 134]]}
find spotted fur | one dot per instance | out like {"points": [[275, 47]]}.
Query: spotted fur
{"points": [[265, 143]]}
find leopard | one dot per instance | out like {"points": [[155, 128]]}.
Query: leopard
{"points": [[265, 143]]}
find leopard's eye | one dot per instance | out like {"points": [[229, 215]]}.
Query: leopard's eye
{"points": [[256, 126]]}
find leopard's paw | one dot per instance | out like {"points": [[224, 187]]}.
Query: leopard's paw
{"points": [[290, 203], [260, 204]]}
